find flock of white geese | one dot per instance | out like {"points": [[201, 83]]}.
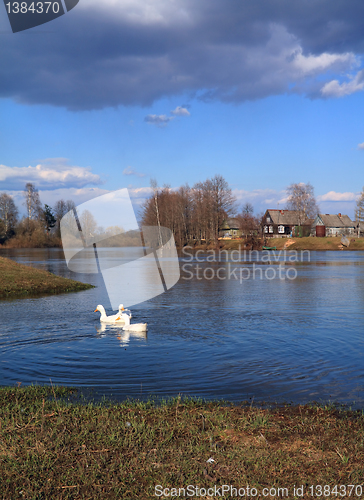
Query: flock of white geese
{"points": [[122, 318]]}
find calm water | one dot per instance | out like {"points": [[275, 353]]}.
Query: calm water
{"points": [[272, 339]]}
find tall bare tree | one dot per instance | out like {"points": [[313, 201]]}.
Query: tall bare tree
{"points": [[249, 224], [301, 197], [8, 216], [61, 207], [32, 201], [359, 211], [88, 225]]}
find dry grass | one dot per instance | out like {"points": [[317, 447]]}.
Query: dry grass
{"points": [[307, 243], [312, 243], [58, 449], [18, 279]]}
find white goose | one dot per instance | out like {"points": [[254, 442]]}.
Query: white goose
{"points": [[126, 311], [115, 318], [136, 327]]}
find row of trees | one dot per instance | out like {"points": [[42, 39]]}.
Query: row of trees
{"points": [[197, 213], [192, 213], [40, 226]]}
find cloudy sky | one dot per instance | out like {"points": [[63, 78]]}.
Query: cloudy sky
{"points": [[115, 93]]}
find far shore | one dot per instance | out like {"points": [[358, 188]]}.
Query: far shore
{"points": [[17, 280], [304, 243]]}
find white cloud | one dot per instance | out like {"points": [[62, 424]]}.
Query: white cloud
{"points": [[336, 89], [334, 196], [51, 173], [180, 111], [158, 120], [130, 171], [361, 145], [313, 64], [261, 199]]}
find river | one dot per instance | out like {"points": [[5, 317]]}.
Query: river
{"points": [[235, 327]]}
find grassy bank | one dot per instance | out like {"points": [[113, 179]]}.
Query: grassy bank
{"points": [[308, 243], [18, 279], [58, 449], [311, 243]]}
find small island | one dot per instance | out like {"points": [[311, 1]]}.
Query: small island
{"points": [[18, 280]]}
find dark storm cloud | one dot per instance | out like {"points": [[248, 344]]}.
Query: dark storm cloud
{"points": [[134, 52]]}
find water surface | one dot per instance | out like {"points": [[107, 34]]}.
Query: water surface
{"points": [[269, 339]]}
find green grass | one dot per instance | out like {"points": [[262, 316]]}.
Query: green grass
{"points": [[19, 280], [53, 447]]}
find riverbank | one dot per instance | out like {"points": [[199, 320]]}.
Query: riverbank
{"points": [[51, 446], [19, 280], [305, 243]]}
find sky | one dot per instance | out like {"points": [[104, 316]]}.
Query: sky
{"points": [[115, 93]]}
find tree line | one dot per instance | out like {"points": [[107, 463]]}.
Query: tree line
{"points": [[40, 227], [194, 214]]}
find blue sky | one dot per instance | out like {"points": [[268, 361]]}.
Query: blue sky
{"points": [[109, 97]]}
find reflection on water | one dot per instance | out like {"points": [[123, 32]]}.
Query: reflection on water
{"points": [[270, 339], [117, 331]]}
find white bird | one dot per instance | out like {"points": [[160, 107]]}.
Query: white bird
{"points": [[115, 318], [122, 310], [136, 327]]}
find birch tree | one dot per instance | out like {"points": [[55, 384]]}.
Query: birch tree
{"points": [[301, 198], [359, 212], [8, 216], [32, 201]]}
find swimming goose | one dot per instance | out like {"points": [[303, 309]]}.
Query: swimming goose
{"points": [[115, 318], [122, 310], [136, 327]]}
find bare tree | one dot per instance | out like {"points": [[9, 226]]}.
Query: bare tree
{"points": [[62, 207], [301, 198], [8, 216], [247, 222], [359, 210], [223, 203], [88, 225], [154, 186], [32, 201], [191, 213]]}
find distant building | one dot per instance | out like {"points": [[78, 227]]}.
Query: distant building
{"points": [[230, 229], [285, 223], [333, 225]]}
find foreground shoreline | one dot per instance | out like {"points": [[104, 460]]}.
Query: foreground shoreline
{"points": [[19, 280], [52, 446]]}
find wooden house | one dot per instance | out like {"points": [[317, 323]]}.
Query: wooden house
{"points": [[333, 225], [230, 229], [284, 223]]}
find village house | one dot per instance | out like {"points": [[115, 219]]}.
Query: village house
{"points": [[230, 229], [284, 223], [333, 225]]}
